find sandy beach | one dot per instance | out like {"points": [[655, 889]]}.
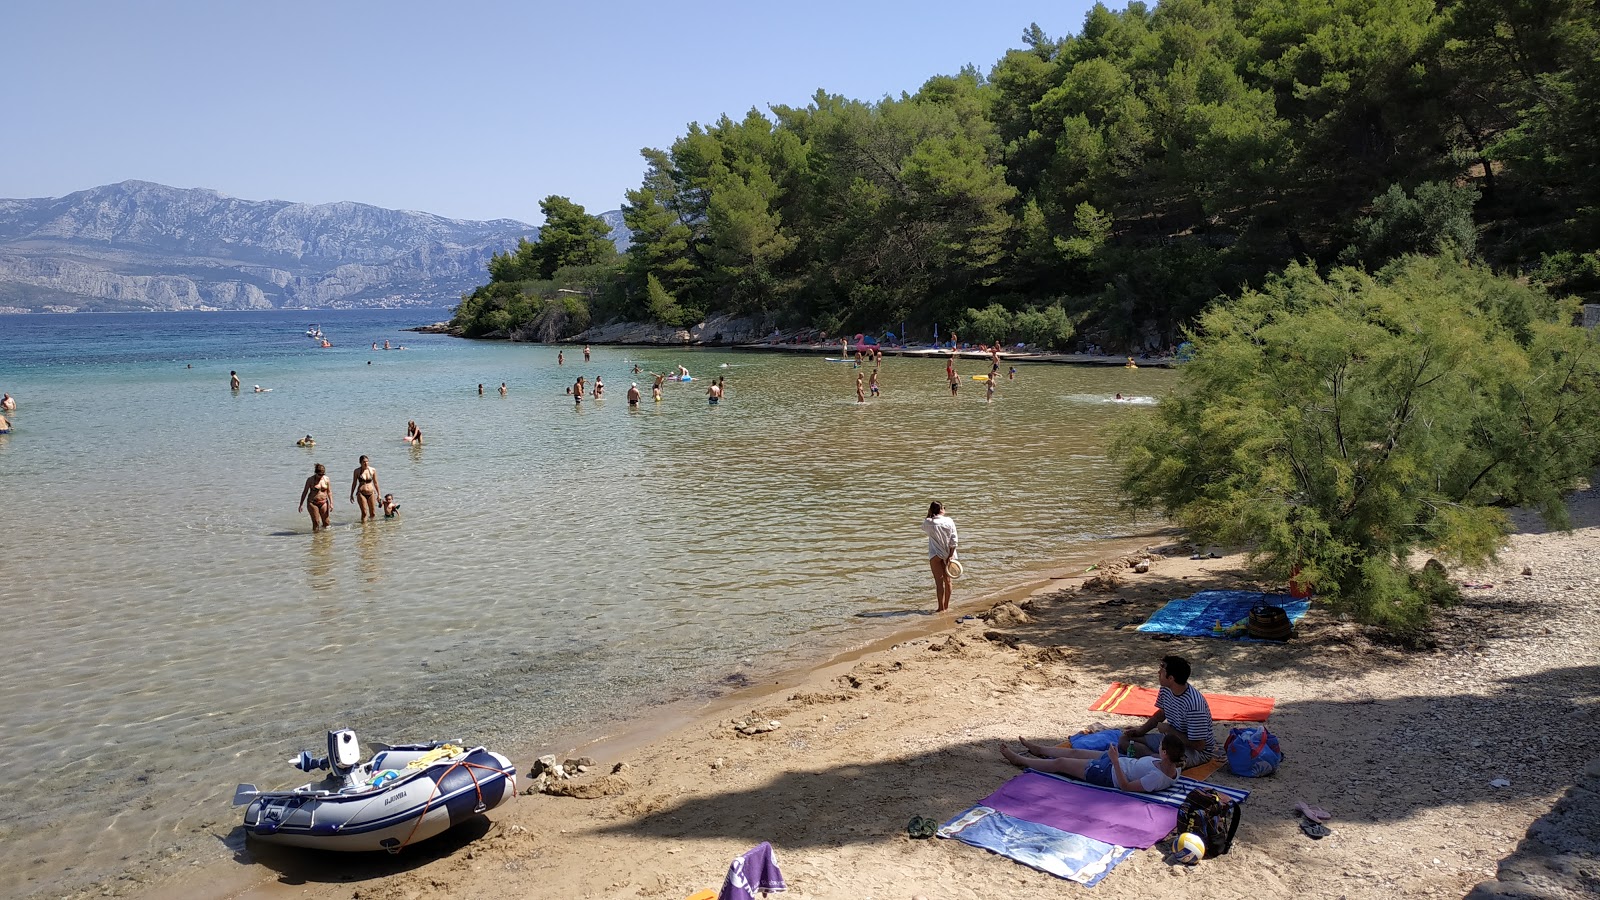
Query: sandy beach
{"points": [[1399, 743]]}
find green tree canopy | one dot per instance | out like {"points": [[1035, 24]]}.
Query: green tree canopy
{"points": [[1336, 424]]}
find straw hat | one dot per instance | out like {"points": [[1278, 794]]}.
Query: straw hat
{"points": [[953, 567]]}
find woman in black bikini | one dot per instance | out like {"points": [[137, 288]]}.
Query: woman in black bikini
{"points": [[364, 484], [320, 493]]}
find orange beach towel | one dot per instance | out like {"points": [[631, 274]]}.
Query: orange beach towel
{"points": [[1132, 700]]}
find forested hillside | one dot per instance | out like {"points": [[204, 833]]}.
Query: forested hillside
{"points": [[1113, 182]]}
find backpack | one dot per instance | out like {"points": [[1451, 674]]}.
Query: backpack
{"points": [[1252, 752], [1210, 815], [1269, 623]]}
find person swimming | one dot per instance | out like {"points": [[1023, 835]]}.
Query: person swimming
{"points": [[305, 442]]}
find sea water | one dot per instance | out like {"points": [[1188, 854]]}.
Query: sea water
{"points": [[173, 626]]}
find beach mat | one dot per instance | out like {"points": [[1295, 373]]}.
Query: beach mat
{"points": [[1172, 796], [1199, 615], [1114, 817], [1060, 853], [1133, 700]]}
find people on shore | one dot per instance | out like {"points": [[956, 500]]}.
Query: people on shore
{"points": [[1105, 768], [1181, 710], [633, 394], [317, 497], [391, 506], [305, 442], [233, 381], [364, 489], [942, 537]]}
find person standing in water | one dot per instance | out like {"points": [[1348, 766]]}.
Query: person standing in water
{"points": [[714, 394], [599, 386], [941, 532], [8, 403], [364, 485], [577, 393], [950, 374], [233, 381], [561, 357], [872, 385], [319, 493], [988, 396], [480, 389], [861, 396], [502, 388], [633, 394], [585, 352]]}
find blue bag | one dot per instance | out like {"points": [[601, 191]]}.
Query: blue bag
{"points": [[1252, 752], [1096, 740]]}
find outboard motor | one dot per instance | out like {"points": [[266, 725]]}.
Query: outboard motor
{"points": [[344, 754]]}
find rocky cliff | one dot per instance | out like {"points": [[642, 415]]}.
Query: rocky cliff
{"points": [[138, 245]]}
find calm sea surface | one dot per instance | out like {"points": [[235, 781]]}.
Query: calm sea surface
{"points": [[173, 627]]}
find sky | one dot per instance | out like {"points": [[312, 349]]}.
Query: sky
{"points": [[474, 109]]}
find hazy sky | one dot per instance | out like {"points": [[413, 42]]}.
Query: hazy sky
{"points": [[475, 109]]}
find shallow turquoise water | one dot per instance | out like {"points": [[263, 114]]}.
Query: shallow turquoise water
{"points": [[176, 628]]}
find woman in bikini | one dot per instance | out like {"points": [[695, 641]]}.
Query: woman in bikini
{"points": [[364, 484], [320, 494]]}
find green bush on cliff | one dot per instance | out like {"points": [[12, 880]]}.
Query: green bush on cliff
{"points": [[1335, 424]]}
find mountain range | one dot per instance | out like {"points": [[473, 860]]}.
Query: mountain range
{"points": [[143, 246]]}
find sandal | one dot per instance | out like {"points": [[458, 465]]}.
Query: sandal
{"points": [[921, 827], [1314, 813], [1315, 830]]}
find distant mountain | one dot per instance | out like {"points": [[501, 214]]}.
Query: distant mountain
{"points": [[143, 246]]}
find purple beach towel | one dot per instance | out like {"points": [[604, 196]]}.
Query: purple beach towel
{"points": [[757, 870], [1113, 817]]}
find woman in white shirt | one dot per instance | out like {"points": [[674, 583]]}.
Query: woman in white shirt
{"points": [[1105, 768], [941, 532]]}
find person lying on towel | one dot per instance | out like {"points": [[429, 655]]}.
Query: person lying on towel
{"points": [[1105, 768]]}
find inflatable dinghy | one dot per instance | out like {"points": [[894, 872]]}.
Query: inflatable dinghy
{"points": [[402, 795]]}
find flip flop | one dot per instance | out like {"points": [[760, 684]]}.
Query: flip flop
{"points": [[1315, 830], [1314, 813], [921, 827]]}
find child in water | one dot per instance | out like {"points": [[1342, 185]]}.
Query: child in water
{"points": [[391, 508]]}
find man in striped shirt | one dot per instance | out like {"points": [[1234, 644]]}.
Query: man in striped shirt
{"points": [[1180, 710]]}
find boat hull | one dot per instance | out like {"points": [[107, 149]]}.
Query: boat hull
{"points": [[416, 805]]}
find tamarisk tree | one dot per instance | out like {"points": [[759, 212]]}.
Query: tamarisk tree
{"points": [[1334, 425]]}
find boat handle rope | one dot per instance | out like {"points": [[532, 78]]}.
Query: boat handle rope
{"points": [[477, 785]]}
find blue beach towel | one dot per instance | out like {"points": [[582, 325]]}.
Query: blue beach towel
{"points": [[1198, 616], [1061, 853]]}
